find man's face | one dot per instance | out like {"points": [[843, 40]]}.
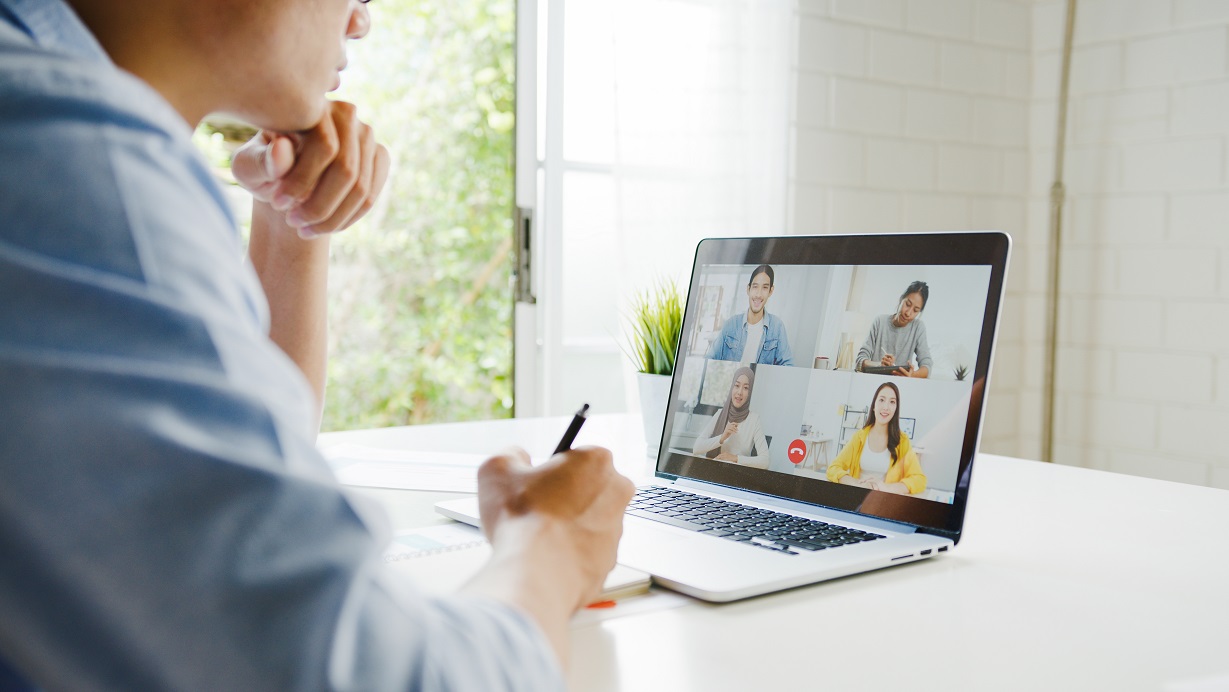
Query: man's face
{"points": [[758, 292], [282, 56]]}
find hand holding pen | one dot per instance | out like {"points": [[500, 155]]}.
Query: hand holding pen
{"points": [[554, 529], [569, 435]]}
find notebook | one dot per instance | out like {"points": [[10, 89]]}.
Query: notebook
{"points": [[819, 472], [440, 559]]}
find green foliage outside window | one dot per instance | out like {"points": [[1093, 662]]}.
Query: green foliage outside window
{"points": [[421, 325], [420, 291]]}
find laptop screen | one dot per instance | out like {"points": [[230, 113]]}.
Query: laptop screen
{"points": [[843, 371]]}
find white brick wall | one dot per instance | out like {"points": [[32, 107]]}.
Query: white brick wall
{"points": [[1175, 58], [897, 57], [1144, 305], [926, 125], [1200, 11], [866, 106], [940, 114], [1200, 219]]}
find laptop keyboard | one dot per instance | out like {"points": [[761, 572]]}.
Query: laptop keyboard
{"points": [[765, 528]]}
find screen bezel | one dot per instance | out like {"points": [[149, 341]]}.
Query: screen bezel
{"points": [[980, 248]]}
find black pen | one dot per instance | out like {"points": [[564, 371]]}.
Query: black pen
{"points": [[569, 435]]}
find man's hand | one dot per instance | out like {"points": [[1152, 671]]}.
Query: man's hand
{"points": [[307, 183], [554, 529], [578, 490], [319, 180]]}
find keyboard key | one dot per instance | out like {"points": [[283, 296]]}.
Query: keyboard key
{"points": [[763, 527]]}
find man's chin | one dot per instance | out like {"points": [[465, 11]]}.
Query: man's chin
{"points": [[288, 117]]}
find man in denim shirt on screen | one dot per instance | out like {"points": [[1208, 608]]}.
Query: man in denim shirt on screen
{"points": [[755, 336]]}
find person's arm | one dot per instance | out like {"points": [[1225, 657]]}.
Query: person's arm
{"points": [[840, 467], [304, 186], [554, 529], [221, 552], [716, 350], [922, 349], [760, 459], [912, 476], [294, 274], [867, 352], [910, 480], [706, 444], [784, 355]]}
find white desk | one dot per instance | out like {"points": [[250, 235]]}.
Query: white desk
{"points": [[1066, 579]]}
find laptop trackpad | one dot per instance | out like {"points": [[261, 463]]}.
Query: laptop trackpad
{"points": [[690, 558]]}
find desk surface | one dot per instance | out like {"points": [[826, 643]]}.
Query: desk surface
{"points": [[1066, 578]]}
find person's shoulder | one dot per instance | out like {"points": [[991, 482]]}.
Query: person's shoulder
{"points": [[44, 84], [97, 165]]}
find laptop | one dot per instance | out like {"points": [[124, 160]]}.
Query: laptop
{"points": [[787, 455]]}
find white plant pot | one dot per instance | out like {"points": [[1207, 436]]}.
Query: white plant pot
{"points": [[654, 396]]}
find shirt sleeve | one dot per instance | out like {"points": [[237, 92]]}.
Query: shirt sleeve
{"points": [[705, 442], [842, 465], [909, 467], [164, 544], [923, 347], [761, 458], [867, 352], [717, 350], [165, 519], [784, 355]]}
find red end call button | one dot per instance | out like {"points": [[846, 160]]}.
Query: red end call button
{"points": [[797, 451]]}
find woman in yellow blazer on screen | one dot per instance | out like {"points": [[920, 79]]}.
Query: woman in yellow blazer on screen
{"points": [[880, 456]]}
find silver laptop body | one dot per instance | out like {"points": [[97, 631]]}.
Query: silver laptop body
{"points": [[807, 487]]}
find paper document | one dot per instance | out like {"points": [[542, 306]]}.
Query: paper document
{"points": [[407, 470], [440, 559]]}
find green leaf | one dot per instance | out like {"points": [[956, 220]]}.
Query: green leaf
{"points": [[655, 323]]}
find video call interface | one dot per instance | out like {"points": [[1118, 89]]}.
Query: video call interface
{"points": [[854, 374]]}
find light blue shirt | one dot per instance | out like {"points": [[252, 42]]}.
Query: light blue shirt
{"points": [[732, 339], [165, 519]]}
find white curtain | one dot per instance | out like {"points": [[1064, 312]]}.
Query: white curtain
{"points": [[675, 118], [701, 124]]}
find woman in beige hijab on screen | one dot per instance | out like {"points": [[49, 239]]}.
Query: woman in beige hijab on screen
{"points": [[735, 434]]}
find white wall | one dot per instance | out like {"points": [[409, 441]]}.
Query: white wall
{"points": [[932, 114], [1143, 372], [914, 115]]}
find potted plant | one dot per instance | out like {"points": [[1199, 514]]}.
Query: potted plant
{"points": [[655, 322]]}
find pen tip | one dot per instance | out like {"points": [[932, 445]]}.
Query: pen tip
{"points": [[583, 410]]}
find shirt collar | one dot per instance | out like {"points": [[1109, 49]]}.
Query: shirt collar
{"points": [[763, 323], [53, 25]]}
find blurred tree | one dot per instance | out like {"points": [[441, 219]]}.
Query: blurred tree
{"points": [[420, 291]]}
